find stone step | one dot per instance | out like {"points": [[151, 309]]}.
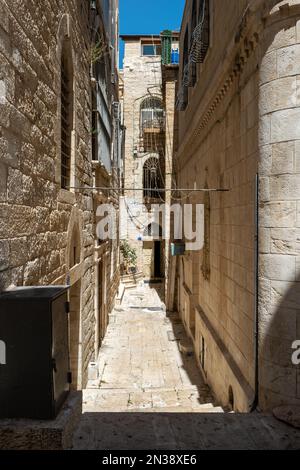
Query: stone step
{"points": [[209, 408], [128, 282], [137, 276], [186, 346], [128, 402], [130, 286], [181, 409]]}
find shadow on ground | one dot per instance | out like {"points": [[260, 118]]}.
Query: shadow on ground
{"points": [[177, 431]]}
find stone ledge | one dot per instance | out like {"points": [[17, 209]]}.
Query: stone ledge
{"points": [[43, 435], [288, 414], [66, 197]]}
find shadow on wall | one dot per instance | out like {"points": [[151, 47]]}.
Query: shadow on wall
{"points": [[279, 304], [279, 377], [278, 293]]}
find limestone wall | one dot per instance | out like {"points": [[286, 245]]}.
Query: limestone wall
{"points": [[40, 224], [279, 198], [241, 121], [142, 78]]}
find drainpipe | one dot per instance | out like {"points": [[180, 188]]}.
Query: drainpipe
{"points": [[256, 317]]}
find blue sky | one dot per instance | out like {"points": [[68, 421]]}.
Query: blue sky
{"points": [[149, 17]]}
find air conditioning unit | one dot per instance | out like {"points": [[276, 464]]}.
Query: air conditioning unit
{"points": [[116, 109], [177, 249]]}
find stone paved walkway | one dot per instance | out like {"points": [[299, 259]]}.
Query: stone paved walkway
{"points": [[151, 395]]}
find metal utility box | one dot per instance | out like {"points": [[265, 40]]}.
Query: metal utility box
{"points": [[34, 352]]}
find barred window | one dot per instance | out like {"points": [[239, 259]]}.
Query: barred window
{"points": [[152, 113], [185, 71], [199, 42], [152, 179], [204, 17], [194, 20], [66, 115]]}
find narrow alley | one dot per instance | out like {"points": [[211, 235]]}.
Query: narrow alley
{"points": [[151, 395], [149, 226]]}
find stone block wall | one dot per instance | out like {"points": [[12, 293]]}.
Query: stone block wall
{"points": [[242, 121], [142, 78], [279, 275], [41, 224]]}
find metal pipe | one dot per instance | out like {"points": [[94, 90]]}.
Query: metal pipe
{"points": [[162, 190]]}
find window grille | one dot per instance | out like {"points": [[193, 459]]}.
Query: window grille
{"points": [[95, 128], [194, 51], [201, 32], [66, 122], [193, 71], [152, 113], [152, 179], [182, 98]]}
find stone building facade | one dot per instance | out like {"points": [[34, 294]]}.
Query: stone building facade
{"points": [[48, 53], [146, 166], [238, 105], [170, 88]]}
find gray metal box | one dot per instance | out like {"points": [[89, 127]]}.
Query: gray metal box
{"points": [[34, 352]]}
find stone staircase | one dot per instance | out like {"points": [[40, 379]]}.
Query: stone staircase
{"points": [[151, 400], [130, 281]]}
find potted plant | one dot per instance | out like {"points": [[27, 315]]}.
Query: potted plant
{"points": [[129, 257]]}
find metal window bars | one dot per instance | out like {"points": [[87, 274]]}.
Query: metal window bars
{"points": [[65, 126], [152, 178], [197, 53]]}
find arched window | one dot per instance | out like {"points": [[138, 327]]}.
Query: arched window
{"points": [[152, 179], [67, 97], [152, 113], [153, 230]]}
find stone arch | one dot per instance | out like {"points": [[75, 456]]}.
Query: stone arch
{"points": [[65, 48], [151, 102], [74, 258], [153, 230]]}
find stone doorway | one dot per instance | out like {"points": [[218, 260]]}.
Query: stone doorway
{"points": [[75, 340], [157, 259], [101, 292]]}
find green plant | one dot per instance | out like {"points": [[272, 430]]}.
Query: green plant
{"points": [[129, 253], [98, 51]]}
